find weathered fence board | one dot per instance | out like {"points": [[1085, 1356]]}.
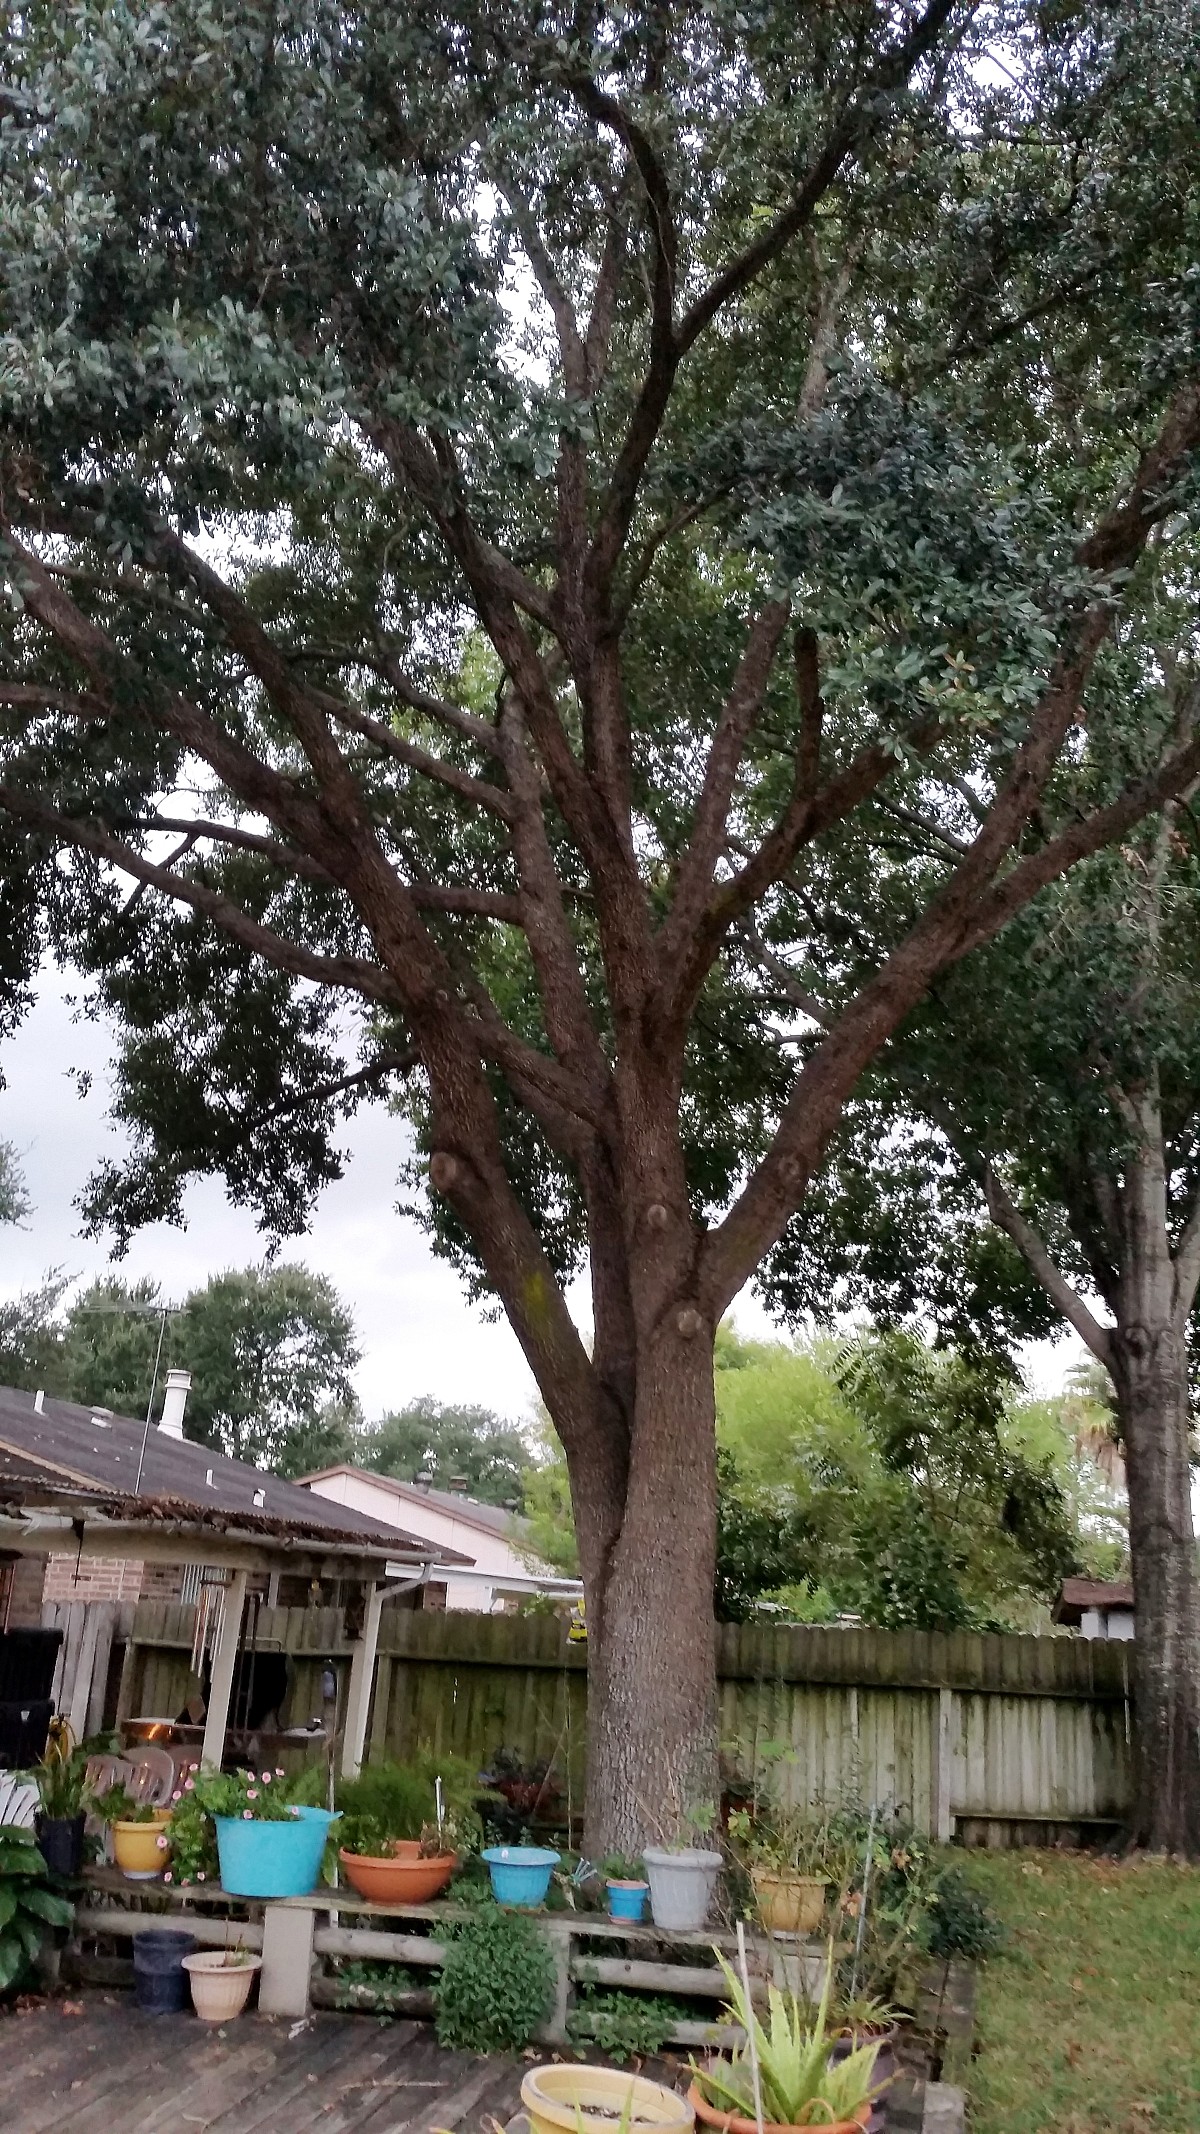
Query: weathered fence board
{"points": [[1011, 1730]]}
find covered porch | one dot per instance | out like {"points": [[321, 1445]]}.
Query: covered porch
{"points": [[41, 1513]]}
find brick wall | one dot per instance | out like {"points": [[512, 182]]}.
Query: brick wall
{"points": [[22, 1593], [99, 1578]]}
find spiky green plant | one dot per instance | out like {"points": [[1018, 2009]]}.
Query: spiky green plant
{"points": [[800, 2088]]}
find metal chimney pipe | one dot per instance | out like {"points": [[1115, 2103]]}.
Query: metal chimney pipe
{"points": [[174, 1403]]}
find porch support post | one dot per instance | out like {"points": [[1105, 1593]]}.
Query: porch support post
{"points": [[216, 1719], [362, 1674]]}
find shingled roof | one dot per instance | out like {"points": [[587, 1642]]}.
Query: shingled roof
{"points": [[90, 1454]]}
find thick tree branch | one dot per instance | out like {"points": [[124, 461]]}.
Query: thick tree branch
{"points": [[1062, 1294], [475, 791], [351, 973], [694, 873]]}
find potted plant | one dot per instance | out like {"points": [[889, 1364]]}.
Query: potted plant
{"points": [[599, 2100], [406, 1826], [141, 1846], [802, 2086], [397, 1870], [626, 1886], [869, 2021], [520, 1874], [793, 1858], [220, 1980], [270, 1840], [682, 1873], [64, 1798]]}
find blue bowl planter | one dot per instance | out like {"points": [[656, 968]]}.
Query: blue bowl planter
{"points": [[627, 1900], [520, 1873], [272, 1859]]}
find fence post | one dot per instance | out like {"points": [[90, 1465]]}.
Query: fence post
{"points": [[942, 1767]]}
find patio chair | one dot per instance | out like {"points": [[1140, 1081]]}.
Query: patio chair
{"points": [[152, 1779]]}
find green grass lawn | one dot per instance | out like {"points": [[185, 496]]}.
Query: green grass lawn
{"points": [[1089, 2020]]}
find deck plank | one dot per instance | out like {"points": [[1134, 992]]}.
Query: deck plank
{"points": [[316, 2058], [112, 2067]]}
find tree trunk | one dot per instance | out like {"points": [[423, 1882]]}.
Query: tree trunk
{"points": [[652, 1764], [1150, 1369]]}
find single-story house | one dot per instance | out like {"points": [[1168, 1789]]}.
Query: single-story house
{"points": [[1096, 1607], [487, 1536]]}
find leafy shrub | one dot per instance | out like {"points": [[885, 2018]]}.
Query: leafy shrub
{"points": [[960, 1921], [27, 1907], [497, 1982], [373, 1985], [623, 2026], [398, 1800]]}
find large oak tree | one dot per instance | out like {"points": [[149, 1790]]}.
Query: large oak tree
{"points": [[492, 496]]}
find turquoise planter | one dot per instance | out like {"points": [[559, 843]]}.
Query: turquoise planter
{"points": [[272, 1859], [520, 1873], [627, 1900]]}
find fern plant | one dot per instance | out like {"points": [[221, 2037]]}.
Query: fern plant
{"points": [[28, 1909]]}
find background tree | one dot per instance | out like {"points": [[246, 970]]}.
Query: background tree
{"points": [[1060, 1093], [587, 623], [14, 1201], [466, 1447], [913, 1488], [270, 1350], [889, 1480]]}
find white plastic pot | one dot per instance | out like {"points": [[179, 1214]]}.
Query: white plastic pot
{"points": [[681, 1887]]}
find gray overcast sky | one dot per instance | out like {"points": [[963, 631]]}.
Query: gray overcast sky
{"points": [[418, 1333]]}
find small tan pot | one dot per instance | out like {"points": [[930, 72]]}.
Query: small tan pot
{"points": [[731, 2123], [564, 2100], [789, 1904], [137, 1851], [220, 1984]]}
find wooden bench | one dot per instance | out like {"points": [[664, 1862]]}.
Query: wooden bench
{"points": [[294, 1933]]}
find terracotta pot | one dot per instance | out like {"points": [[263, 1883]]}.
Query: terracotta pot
{"points": [[731, 2123], [593, 2100], [401, 1876], [789, 1904], [137, 1851], [220, 1986]]}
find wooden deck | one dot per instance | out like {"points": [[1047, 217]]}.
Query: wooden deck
{"points": [[109, 2070]]}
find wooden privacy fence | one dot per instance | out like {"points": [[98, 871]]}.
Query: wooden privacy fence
{"points": [[993, 1734]]}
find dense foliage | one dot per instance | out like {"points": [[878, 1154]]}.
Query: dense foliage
{"points": [[470, 1448], [496, 1984], [29, 1909]]}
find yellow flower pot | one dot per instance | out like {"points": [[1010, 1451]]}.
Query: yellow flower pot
{"points": [[137, 1851], [592, 2100], [789, 1904]]}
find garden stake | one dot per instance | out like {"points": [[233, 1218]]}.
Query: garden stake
{"points": [[439, 1803], [866, 1894], [751, 2035]]}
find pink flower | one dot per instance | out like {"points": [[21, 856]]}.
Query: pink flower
{"points": [[167, 1876], [279, 1771], [266, 1778], [161, 1844], [247, 1815], [189, 1785], [177, 1795], [252, 1793], [200, 1875]]}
